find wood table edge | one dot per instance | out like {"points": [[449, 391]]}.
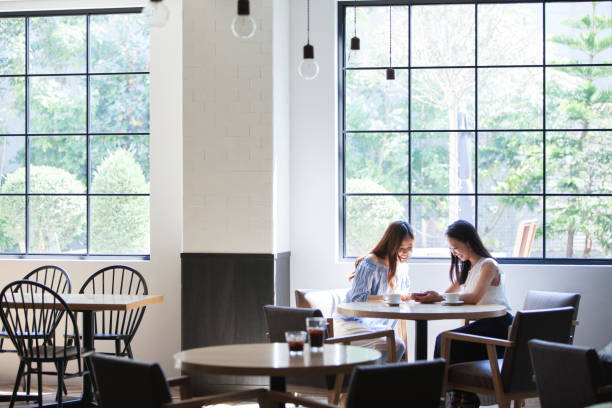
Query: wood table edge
{"points": [[198, 368], [391, 314]]}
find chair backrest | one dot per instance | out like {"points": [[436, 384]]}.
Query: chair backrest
{"points": [[523, 242], [38, 321], [280, 319], [117, 280], [326, 300], [127, 383], [546, 324], [566, 376], [537, 299], [416, 384], [51, 276]]}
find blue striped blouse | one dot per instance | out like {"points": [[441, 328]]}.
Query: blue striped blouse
{"points": [[371, 279]]}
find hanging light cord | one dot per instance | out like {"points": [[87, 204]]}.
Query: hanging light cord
{"points": [[308, 21], [355, 18], [390, 34]]}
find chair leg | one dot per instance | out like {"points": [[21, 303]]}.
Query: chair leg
{"points": [[118, 348], [28, 381], [17, 381], [518, 403], [39, 378], [128, 347], [60, 383]]}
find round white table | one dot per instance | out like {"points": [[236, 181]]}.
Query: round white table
{"points": [[421, 313]]}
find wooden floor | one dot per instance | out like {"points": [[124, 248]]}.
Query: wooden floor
{"points": [[49, 396]]}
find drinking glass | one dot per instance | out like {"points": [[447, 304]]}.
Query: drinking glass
{"points": [[296, 340], [316, 332]]}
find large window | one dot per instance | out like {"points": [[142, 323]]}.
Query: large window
{"points": [[499, 114], [74, 134]]}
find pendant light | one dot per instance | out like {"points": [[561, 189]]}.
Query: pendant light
{"points": [[309, 67], [355, 43], [157, 11], [243, 25], [390, 71]]}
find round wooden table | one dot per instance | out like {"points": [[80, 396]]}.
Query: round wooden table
{"points": [[273, 359], [420, 313]]}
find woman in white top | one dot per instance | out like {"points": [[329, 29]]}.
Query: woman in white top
{"points": [[477, 276]]}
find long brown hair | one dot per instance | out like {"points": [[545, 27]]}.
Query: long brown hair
{"points": [[388, 247], [465, 232]]}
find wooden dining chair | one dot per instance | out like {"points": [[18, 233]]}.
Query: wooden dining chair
{"points": [[118, 326], [41, 326], [510, 378], [538, 299]]}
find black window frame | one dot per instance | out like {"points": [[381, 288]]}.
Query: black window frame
{"points": [[345, 5], [87, 194]]}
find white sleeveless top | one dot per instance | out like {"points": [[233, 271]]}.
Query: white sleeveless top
{"points": [[495, 295]]}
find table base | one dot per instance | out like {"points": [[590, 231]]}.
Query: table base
{"points": [[278, 384], [420, 340]]}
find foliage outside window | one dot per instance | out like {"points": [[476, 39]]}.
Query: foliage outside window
{"points": [[500, 114], [74, 134]]}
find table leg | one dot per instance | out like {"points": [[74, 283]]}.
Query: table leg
{"points": [[88, 345], [278, 384], [420, 340], [404, 335]]}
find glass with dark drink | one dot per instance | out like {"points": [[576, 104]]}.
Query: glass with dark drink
{"points": [[296, 340], [316, 332]]}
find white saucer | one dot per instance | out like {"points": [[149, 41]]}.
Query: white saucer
{"points": [[457, 303], [392, 304]]}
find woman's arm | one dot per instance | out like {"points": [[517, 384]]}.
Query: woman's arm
{"points": [[488, 274], [431, 296], [362, 283]]}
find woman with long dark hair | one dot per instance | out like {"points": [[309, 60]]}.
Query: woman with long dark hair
{"points": [[375, 275], [479, 279]]}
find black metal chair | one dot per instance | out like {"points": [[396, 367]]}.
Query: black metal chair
{"points": [[568, 376], [40, 325], [510, 378], [125, 383], [51, 276], [114, 325]]}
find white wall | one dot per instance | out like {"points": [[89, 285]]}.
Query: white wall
{"points": [[314, 210], [163, 271], [281, 119], [228, 130]]}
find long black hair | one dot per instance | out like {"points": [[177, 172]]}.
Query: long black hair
{"points": [[465, 232]]}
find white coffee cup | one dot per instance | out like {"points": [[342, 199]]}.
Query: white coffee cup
{"points": [[452, 297], [392, 298]]}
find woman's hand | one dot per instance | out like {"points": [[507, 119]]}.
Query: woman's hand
{"points": [[429, 296]]}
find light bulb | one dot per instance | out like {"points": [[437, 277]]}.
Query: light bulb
{"points": [[353, 54], [309, 67], [243, 26], [158, 12]]}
